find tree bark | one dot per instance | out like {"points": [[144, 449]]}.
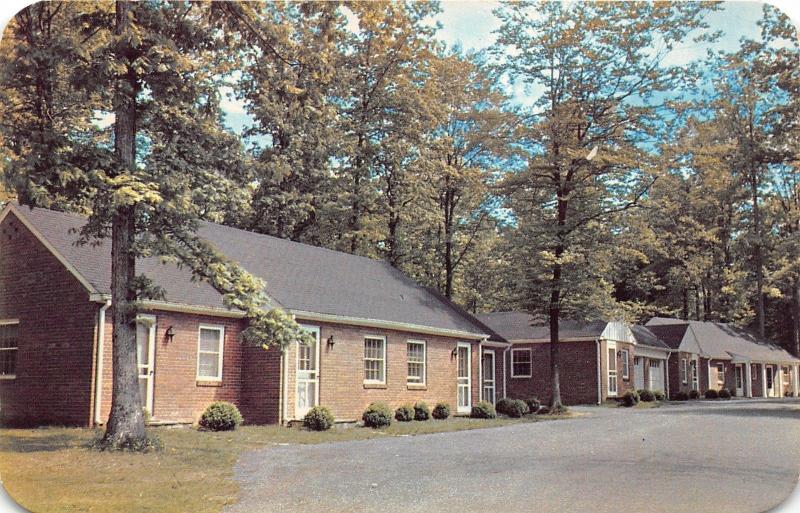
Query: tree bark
{"points": [[555, 304], [126, 422]]}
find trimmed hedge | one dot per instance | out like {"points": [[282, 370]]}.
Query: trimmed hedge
{"points": [[660, 395], [441, 411], [318, 418], [630, 398], [694, 394], [483, 410], [221, 416], [712, 394], [732, 391], [681, 396], [421, 411], [404, 413], [517, 408], [377, 415], [646, 396], [503, 405], [724, 394]]}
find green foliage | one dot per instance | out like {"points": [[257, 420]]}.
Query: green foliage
{"points": [[503, 405], [681, 396], [404, 413], [421, 411], [732, 391], [483, 410], [724, 393], [221, 416], [660, 395], [694, 394], [516, 408], [377, 415], [711, 394], [318, 418], [646, 396], [533, 404], [629, 398], [441, 411]]}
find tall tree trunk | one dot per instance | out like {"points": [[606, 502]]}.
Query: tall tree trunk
{"points": [[448, 239], [758, 258], [126, 422], [796, 317], [685, 311], [555, 305]]}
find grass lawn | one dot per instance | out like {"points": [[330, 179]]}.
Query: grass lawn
{"points": [[53, 470]]}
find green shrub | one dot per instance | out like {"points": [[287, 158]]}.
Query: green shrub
{"points": [[647, 396], [694, 394], [630, 398], [318, 418], [681, 396], [502, 405], [483, 410], [421, 411], [404, 413], [724, 394], [732, 391], [533, 404], [441, 411], [377, 415], [660, 395], [517, 408], [221, 416], [712, 394]]}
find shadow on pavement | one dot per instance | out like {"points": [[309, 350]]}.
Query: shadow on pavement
{"points": [[773, 411]]}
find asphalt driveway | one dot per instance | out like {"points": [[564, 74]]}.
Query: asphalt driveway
{"points": [[733, 456]]}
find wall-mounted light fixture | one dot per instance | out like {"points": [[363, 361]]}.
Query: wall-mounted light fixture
{"points": [[170, 334], [455, 352], [331, 341]]}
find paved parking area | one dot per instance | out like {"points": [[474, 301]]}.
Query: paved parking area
{"points": [[731, 456]]}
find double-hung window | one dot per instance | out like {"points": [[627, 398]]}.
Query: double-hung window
{"points": [[521, 364], [9, 343], [415, 350], [625, 364], [721, 373], [209, 352], [684, 371], [375, 360]]}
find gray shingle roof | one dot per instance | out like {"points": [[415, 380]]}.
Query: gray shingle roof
{"points": [[298, 276], [723, 340], [670, 334], [646, 337], [523, 326]]}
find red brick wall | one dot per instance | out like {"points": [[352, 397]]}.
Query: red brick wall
{"points": [[578, 373], [675, 382], [341, 381], [56, 333], [756, 379], [177, 394], [260, 390]]}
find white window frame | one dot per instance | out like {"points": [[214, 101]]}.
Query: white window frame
{"points": [[612, 348], [383, 360], [684, 371], [424, 379], [221, 330], [721, 373], [626, 364], [530, 362], [11, 322]]}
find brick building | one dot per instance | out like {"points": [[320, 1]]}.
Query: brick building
{"points": [[378, 335]]}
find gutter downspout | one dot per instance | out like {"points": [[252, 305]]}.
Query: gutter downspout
{"points": [[480, 370], [505, 370], [599, 375], [666, 374], [98, 381]]}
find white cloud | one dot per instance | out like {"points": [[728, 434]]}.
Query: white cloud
{"points": [[229, 103]]}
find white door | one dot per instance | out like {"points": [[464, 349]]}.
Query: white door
{"points": [[488, 376], [770, 377], [656, 381], [145, 352], [638, 372], [738, 375], [307, 376], [464, 377], [612, 370]]}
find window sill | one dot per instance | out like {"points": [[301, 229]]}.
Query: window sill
{"points": [[8, 378], [521, 377], [414, 386], [375, 385], [204, 383]]}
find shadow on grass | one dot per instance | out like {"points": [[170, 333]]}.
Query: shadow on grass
{"points": [[35, 442]]}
